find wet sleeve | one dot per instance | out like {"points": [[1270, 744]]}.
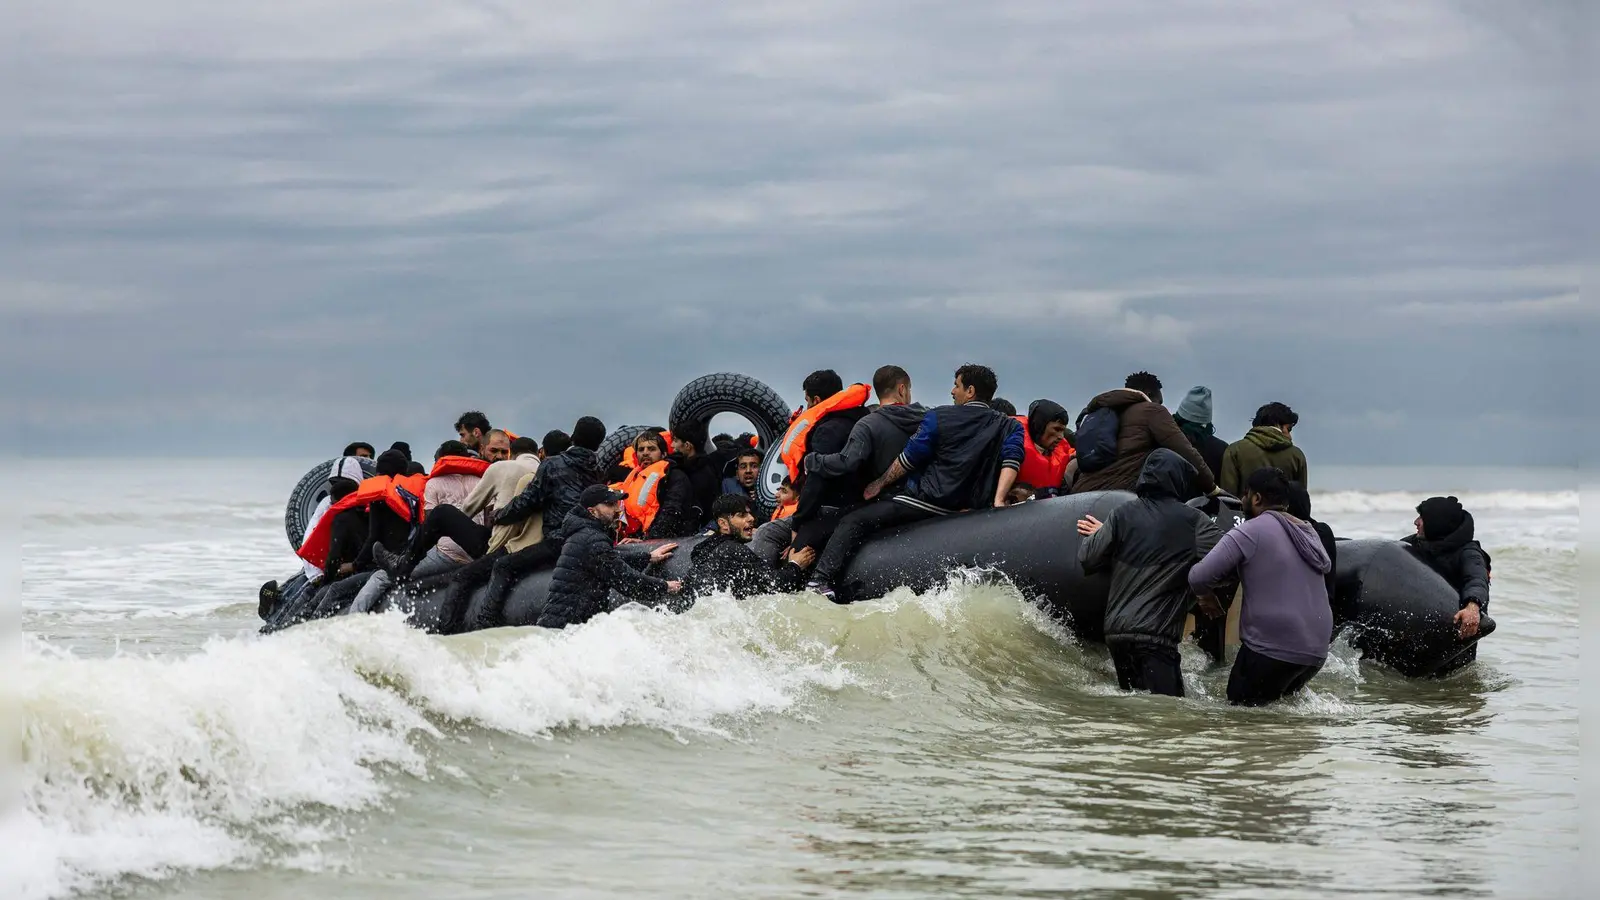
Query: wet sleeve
{"points": [[1096, 552], [1011, 450], [1475, 581], [627, 579], [1206, 536], [788, 579], [919, 450], [1223, 560], [1167, 434]]}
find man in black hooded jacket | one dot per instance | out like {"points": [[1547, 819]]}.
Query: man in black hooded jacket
{"points": [[1444, 540], [825, 499], [1149, 545], [877, 439], [590, 566]]}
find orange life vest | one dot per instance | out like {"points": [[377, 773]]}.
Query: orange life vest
{"points": [[792, 449], [785, 510], [632, 462], [642, 486], [402, 493], [459, 465], [1039, 470]]}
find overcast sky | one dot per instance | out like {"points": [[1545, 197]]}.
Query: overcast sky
{"points": [[272, 226]]}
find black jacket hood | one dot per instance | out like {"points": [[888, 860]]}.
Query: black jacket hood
{"points": [[1165, 474], [1041, 413]]}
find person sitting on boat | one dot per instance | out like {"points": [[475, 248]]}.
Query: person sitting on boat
{"points": [[1445, 541], [590, 568], [659, 495], [1269, 442], [746, 472], [776, 535], [555, 443], [724, 561], [703, 469], [1149, 546], [1286, 624], [446, 539], [1194, 420], [963, 456], [878, 439], [824, 427], [1119, 428], [360, 450], [471, 427], [496, 445], [1046, 449]]}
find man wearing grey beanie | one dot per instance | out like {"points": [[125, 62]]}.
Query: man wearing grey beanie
{"points": [[1194, 420]]}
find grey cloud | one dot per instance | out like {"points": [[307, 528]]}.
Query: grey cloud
{"points": [[230, 213]]}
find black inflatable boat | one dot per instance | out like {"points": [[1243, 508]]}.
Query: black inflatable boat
{"points": [[1395, 609]]}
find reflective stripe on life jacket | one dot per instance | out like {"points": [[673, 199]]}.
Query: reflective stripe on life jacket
{"points": [[639, 508], [632, 462], [403, 494], [792, 449], [459, 465], [1038, 470]]}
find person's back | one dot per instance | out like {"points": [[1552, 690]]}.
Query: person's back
{"points": [[1143, 424], [559, 480], [1286, 623], [451, 489], [498, 485], [1268, 444], [1193, 417], [1149, 546], [964, 463]]}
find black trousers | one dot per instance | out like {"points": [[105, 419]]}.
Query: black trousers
{"points": [[1258, 679], [854, 529], [448, 522], [506, 571], [814, 532], [1147, 667]]}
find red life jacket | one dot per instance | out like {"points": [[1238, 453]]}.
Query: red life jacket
{"points": [[792, 449], [403, 494], [459, 465], [1038, 470]]}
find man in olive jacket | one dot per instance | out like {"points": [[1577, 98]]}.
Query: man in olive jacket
{"points": [[1268, 444]]}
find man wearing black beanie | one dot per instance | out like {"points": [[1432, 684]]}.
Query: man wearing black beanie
{"points": [[1444, 540]]}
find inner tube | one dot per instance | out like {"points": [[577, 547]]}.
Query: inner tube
{"points": [[1397, 609], [310, 491], [729, 392], [609, 455]]}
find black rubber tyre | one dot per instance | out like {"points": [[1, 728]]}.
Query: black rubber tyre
{"points": [[767, 413], [610, 453], [307, 494]]}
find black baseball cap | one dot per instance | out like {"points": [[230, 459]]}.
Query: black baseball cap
{"points": [[596, 494]]}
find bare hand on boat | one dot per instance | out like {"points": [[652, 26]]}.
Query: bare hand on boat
{"points": [[674, 587], [1467, 621], [1088, 525], [662, 553], [803, 557]]}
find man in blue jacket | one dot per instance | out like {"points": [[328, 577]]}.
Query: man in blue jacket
{"points": [[963, 456]]}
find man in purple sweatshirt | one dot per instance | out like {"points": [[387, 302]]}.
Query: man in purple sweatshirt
{"points": [[1285, 624]]}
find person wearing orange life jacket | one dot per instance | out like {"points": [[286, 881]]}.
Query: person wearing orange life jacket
{"points": [[630, 460], [660, 498], [390, 502], [876, 441], [447, 537], [824, 427], [1046, 448]]}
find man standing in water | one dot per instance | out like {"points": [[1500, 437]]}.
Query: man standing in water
{"points": [[1444, 540], [1285, 624]]}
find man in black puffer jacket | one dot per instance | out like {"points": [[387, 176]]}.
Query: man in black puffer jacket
{"points": [[555, 487], [1444, 540], [724, 561], [590, 566], [1149, 545]]}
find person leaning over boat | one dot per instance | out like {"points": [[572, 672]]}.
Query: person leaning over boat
{"points": [[446, 538], [1142, 424], [1046, 450], [963, 456], [1269, 442], [590, 568], [1285, 624], [1445, 541], [1149, 546], [724, 560], [831, 413]]}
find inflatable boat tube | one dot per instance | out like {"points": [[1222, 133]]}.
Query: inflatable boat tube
{"points": [[312, 489], [1399, 611]]}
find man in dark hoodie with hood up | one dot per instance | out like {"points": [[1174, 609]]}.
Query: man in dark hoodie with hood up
{"points": [[1269, 442], [1143, 424], [1286, 624], [1149, 546], [1444, 540], [1047, 452]]}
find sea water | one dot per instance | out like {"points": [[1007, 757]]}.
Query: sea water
{"points": [[950, 744]]}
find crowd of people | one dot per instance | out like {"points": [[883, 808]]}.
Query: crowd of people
{"points": [[495, 506]]}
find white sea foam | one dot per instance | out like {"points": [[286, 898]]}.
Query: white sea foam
{"points": [[146, 766], [1327, 503]]}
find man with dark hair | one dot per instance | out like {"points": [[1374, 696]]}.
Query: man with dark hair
{"points": [[496, 445], [963, 456], [1268, 444], [1003, 406], [1142, 424], [556, 443], [402, 448], [1149, 546], [746, 472], [1445, 541], [875, 441], [589, 568], [1285, 624], [825, 499], [820, 385], [703, 470], [724, 560], [526, 446], [471, 428], [360, 449]]}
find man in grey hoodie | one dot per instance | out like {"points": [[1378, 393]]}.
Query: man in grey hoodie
{"points": [[1285, 624], [877, 440]]}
